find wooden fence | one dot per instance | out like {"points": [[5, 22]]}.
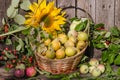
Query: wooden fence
{"points": [[102, 11]]}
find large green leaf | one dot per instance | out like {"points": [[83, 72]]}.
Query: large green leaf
{"points": [[115, 31], [25, 5], [19, 19], [15, 3], [12, 12], [117, 60]]}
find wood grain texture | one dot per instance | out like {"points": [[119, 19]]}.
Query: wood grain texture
{"points": [[117, 13], [66, 3], [84, 5], [3, 9], [105, 12]]}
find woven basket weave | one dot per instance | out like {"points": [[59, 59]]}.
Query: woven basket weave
{"points": [[61, 66]]}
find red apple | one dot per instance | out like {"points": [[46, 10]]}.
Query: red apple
{"points": [[30, 71]]}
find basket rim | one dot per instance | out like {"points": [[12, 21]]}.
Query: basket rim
{"points": [[68, 58]]}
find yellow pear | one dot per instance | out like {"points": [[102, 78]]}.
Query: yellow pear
{"points": [[80, 45], [62, 37], [60, 53], [56, 44]]}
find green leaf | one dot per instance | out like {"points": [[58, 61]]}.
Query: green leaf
{"points": [[20, 45], [104, 56], [12, 12], [10, 56], [111, 58], [117, 60], [118, 71], [115, 31], [74, 18], [8, 41], [27, 31], [113, 47], [19, 19], [25, 5], [100, 46], [81, 26], [20, 28], [107, 35], [99, 25], [15, 3]]}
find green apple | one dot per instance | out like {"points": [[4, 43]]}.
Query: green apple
{"points": [[84, 69]]}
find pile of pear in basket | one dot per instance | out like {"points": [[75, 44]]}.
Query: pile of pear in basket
{"points": [[62, 54]]}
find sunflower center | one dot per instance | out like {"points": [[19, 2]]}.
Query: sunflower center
{"points": [[48, 20]]}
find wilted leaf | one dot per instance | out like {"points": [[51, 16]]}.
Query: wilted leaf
{"points": [[3, 21], [19, 19], [10, 56], [25, 5], [12, 12], [15, 3]]}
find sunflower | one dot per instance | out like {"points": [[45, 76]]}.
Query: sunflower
{"points": [[45, 15]]}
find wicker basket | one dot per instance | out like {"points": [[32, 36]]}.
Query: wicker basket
{"points": [[61, 66]]}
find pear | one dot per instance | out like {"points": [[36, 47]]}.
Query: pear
{"points": [[80, 45], [50, 53], [60, 53], [62, 37], [56, 44]]}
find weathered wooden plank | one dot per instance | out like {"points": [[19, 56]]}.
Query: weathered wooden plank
{"points": [[117, 13], [84, 5], [91, 8], [66, 3], [3, 9], [88, 6], [105, 12]]}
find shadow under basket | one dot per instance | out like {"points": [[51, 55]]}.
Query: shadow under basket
{"points": [[59, 66]]}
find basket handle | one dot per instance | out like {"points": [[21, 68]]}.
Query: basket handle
{"points": [[78, 8]]}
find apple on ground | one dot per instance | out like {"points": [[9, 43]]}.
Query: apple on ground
{"points": [[96, 72], [93, 62], [101, 67], [84, 69], [30, 71]]}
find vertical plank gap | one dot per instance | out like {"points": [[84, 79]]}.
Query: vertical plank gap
{"points": [[75, 8]]}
